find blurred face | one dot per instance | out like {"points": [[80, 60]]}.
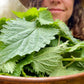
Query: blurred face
{"points": [[60, 9]]}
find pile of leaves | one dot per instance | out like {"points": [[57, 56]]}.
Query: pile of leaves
{"points": [[33, 45]]}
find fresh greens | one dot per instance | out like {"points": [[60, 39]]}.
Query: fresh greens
{"points": [[35, 44]]}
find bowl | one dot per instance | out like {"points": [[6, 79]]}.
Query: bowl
{"points": [[70, 79]]}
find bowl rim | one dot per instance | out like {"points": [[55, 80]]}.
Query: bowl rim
{"points": [[40, 79]]}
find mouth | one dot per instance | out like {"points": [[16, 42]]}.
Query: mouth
{"points": [[56, 10]]}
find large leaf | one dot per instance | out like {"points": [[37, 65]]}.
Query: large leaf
{"points": [[49, 59], [22, 37]]}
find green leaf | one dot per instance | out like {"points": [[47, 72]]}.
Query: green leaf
{"points": [[46, 63], [49, 59], [55, 42], [45, 17], [22, 37], [3, 21], [8, 67], [65, 72], [30, 14], [82, 52], [65, 32], [27, 60], [77, 46]]}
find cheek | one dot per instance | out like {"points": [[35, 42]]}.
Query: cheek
{"points": [[45, 3], [69, 11], [67, 15], [64, 16]]}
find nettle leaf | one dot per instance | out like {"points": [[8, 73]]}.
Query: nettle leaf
{"points": [[80, 45], [65, 32], [45, 17], [27, 60], [30, 14], [55, 42], [3, 21], [22, 37], [8, 67], [71, 70], [49, 59], [65, 72]]}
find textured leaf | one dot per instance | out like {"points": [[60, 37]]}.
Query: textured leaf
{"points": [[33, 13], [21, 64], [62, 71], [30, 14], [65, 32], [65, 72], [55, 42], [77, 46], [45, 17], [8, 67], [49, 59], [3, 21], [22, 37]]}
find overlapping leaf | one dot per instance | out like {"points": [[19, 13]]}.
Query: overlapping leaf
{"points": [[21, 64], [62, 71], [22, 37], [65, 32], [45, 17], [29, 15], [49, 59], [8, 67]]}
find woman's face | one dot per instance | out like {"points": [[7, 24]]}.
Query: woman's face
{"points": [[60, 9]]}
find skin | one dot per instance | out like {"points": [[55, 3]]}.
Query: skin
{"points": [[60, 9]]}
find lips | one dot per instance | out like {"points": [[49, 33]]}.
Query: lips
{"points": [[56, 10]]}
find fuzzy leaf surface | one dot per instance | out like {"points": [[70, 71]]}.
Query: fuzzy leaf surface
{"points": [[30, 14], [62, 71], [65, 32], [45, 17], [8, 67], [22, 37], [65, 72], [49, 59]]}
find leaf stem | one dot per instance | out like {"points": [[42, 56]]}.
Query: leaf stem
{"points": [[69, 64], [23, 73], [59, 40], [72, 59]]}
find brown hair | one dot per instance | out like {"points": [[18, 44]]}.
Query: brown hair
{"points": [[75, 23]]}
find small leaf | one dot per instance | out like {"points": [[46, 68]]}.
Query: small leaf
{"points": [[3, 21], [77, 46], [8, 67], [30, 14], [45, 17]]}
